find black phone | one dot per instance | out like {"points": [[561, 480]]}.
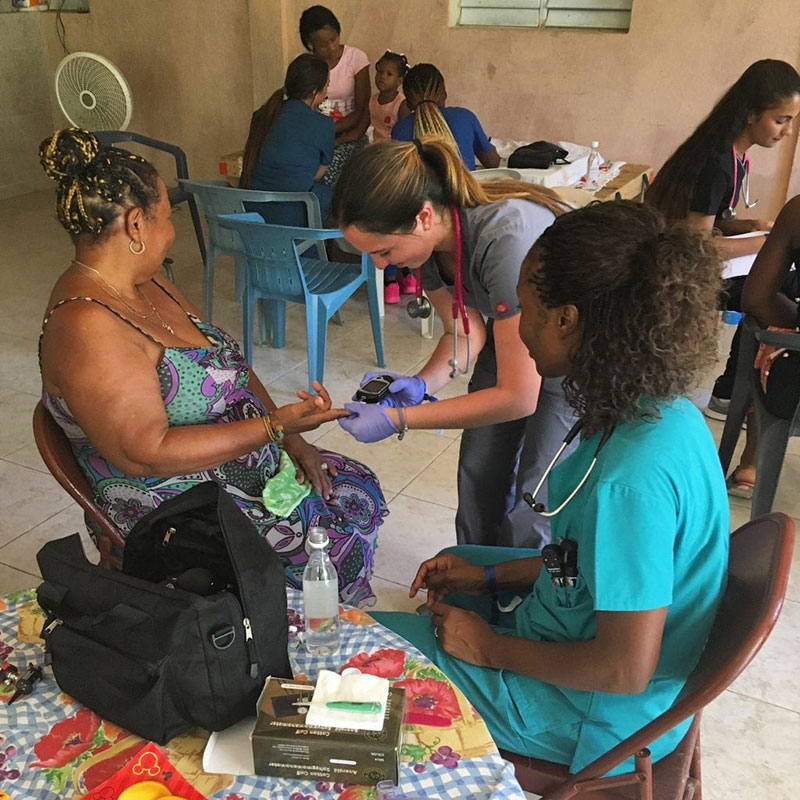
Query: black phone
{"points": [[375, 389]]}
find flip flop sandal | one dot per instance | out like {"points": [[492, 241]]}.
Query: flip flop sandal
{"points": [[739, 488]]}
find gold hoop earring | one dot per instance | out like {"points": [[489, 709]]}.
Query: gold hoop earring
{"points": [[136, 252]]}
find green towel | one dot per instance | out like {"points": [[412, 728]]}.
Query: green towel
{"points": [[282, 493]]}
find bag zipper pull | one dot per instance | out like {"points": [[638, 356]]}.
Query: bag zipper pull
{"points": [[168, 534], [248, 641], [49, 628]]}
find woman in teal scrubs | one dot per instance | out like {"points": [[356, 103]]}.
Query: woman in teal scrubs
{"points": [[621, 304]]}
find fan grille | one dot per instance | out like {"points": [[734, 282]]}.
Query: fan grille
{"points": [[92, 93]]}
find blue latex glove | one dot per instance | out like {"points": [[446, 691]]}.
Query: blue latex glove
{"points": [[405, 390], [368, 422]]}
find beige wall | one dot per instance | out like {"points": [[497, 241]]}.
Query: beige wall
{"points": [[187, 63], [26, 114], [198, 68], [640, 94]]}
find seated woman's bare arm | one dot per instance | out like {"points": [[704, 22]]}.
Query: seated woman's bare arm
{"points": [[354, 125], [620, 659], [490, 158], [106, 372], [761, 295], [727, 247]]}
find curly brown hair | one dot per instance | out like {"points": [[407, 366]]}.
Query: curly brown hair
{"points": [[646, 292]]}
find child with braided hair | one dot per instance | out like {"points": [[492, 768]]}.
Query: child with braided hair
{"points": [[426, 95], [154, 399]]}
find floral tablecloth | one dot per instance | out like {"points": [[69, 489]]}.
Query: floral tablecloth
{"points": [[52, 748]]}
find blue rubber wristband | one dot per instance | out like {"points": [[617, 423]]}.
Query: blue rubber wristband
{"points": [[491, 585], [491, 581]]}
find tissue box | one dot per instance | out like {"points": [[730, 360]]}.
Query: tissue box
{"points": [[284, 746]]}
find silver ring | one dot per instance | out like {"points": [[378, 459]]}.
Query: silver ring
{"points": [[436, 632], [324, 466]]}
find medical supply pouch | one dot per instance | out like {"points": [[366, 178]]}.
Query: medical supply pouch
{"points": [[537, 155], [154, 658]]}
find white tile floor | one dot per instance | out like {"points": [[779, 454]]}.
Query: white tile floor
{"points": [[751, 735]]}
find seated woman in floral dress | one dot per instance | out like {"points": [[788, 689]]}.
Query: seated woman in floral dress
{"points": [[155, 399]]}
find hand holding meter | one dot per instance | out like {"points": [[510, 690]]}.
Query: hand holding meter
{"points": [[392, 389]]}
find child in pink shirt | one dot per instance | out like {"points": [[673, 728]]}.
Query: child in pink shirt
{"points": [[388, 104]]}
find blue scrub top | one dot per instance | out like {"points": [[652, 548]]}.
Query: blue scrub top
{"points": [[652, 526], [299, 141], [463, 124]]}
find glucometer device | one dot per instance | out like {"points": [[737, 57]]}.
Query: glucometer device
{"points": [[375, 389]]}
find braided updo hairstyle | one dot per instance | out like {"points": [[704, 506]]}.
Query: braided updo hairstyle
{"points": [[95, 184]]}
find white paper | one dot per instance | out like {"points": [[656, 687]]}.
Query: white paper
{"points": [[353, 688], [231, 751], [741, 265]]}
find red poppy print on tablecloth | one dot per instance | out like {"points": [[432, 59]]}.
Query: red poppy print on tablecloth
{"points": [[430, 702], [386, 663], [66, 740]]}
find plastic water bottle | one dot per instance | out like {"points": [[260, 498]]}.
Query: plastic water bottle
{"points": [[320, 596], [593, 168]]}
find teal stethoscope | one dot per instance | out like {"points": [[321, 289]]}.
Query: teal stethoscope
{"points": [[530, 498]]}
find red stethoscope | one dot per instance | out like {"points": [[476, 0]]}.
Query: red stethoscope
{"points": [[420, 307], [730, 212]]}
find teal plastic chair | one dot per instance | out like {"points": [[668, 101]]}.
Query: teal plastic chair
{"points": [[219, 197], [275, 270]]}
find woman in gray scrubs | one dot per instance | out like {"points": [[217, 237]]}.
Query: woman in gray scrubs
{"points": [[415, 205]]}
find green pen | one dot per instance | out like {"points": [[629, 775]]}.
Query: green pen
{"points": [[346, 705]]}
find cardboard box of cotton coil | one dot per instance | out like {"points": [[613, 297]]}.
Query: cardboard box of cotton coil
{"points": [[285, 747]]}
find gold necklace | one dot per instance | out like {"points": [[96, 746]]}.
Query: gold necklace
{"points": [[104, 284]]}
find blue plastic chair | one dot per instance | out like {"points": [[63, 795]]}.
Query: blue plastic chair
{"points": [[276, 271], [219, 197]]}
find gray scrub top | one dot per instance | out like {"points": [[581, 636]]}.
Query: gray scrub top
{"points": [[496, 240]]}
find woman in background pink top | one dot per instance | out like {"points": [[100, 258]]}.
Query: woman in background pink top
{"points": [[349, 87], [389, 103]]}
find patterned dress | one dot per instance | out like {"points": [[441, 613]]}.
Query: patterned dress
{"points": [[208, 386]]}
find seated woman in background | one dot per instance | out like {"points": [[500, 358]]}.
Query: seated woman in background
{"points": [[426, 95], [702, 180], [290, 144], [154, 399], [639, 507], [349, 87], [772, 295]]}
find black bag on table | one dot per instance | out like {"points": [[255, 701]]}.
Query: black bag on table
{"points": [[537, 155], [158, 660]]}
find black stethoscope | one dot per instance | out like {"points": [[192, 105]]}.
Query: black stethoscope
{"points": [[420, 307], [730, 212], [530, 499]]}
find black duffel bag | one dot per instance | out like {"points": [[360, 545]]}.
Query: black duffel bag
{"points": [[156, 659], [537, 155]]}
